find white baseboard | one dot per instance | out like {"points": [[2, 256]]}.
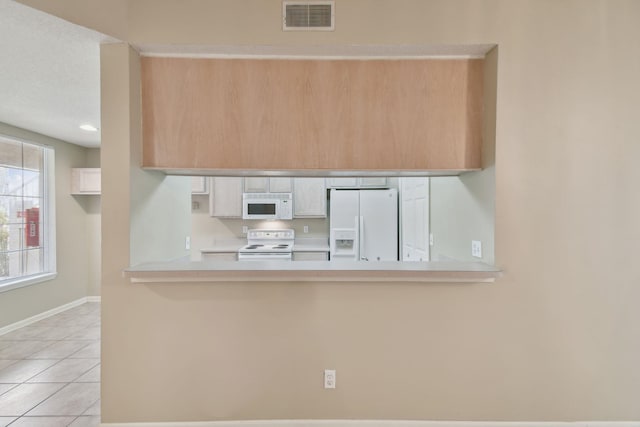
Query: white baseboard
{"points": [[379, 423], [48, 313]]}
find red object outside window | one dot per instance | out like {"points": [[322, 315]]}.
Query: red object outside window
{"points": [[32, 229]]}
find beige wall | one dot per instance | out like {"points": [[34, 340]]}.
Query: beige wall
{"points": [[556, 338], [73, 231]]}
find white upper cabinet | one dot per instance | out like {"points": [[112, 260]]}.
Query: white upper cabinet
{"points": [[361, 182], [225, 198], [309, 194], [280, 185], [374, 181], [342, 182], [309, 198], [85, 181], [256, 185], [199, 185]]}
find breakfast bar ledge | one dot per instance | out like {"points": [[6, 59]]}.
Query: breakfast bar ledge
{"points": [[186, 271]]}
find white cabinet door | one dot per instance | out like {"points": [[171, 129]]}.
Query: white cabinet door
{"points": [[256, 185], [415, 219], [280, 185], [199, 185], [309, 198], [354, 182], [85, 181], [225, 197]]}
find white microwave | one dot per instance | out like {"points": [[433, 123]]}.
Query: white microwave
{"points": [[267, 206]]}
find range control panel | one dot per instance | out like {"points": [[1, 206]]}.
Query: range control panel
{"points": [[286, 234]]}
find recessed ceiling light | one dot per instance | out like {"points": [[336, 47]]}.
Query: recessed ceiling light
{"points": [[89, 128]]}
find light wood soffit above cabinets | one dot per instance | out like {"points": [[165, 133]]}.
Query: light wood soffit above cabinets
{"points": [[306, 117]]}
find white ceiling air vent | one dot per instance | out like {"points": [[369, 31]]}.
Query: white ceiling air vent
{"points": [[308, 15]]}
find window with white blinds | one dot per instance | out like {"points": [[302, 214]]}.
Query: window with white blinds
{"points": [[27, 226]]}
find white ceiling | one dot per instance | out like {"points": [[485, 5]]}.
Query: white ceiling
{"points": [[49, 74]]}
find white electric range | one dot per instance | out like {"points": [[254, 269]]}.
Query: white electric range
{"points": [[266, 244]]}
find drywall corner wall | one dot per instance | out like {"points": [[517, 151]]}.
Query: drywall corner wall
{"points": [[141, 210], [72, 243], [462, 207], [115, 160]]}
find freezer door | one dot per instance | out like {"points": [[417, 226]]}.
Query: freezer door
{"points": [[344, 207], [379, 225]]}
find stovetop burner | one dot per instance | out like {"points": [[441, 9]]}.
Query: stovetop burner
{"points": [[267, 241], [266, 248]]}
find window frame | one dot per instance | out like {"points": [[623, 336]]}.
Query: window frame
{"points": [[49, 271]]}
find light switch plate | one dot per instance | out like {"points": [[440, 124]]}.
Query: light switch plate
{"points": [[476, 248]]}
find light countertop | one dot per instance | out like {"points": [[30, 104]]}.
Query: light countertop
{"points": [[186, 271]]}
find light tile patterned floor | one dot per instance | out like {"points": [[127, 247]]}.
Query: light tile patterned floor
{"points": [[50, 371]]}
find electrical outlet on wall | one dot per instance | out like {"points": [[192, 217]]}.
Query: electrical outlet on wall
{"points": [[187, 243], [305, 229], [245, 229], [476, 248], [430, 239], [329, 378]]}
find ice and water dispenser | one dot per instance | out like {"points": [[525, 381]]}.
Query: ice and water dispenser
{"points": [[344, 243]]}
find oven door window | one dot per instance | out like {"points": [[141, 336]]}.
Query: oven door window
{"points": [[261, 209]]}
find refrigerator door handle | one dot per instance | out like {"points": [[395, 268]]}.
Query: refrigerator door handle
{"points": [[363, 256]]}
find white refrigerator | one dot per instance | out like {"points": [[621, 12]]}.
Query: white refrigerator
{"points": [[363, 225]]}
